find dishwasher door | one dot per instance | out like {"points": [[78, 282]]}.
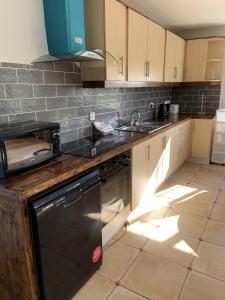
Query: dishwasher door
{"points": [[67, 241]]}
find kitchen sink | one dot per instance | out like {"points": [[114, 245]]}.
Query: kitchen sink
{"points": [[144, 127]]}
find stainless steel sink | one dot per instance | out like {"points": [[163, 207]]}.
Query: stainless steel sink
{"points": [[144, 127]]}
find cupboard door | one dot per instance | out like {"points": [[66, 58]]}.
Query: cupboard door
{"points": [[168, 153], [156, 51], [115, 35], [174, 58], [137, 46], [140, 156], [180, 51], [194, 60], [170, 57], [155, 165], [201, 140]]}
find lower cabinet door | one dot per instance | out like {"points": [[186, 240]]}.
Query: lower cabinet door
{"points": [[140, 156]]}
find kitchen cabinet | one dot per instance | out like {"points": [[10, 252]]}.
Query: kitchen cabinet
{"points": [[140, 159], [106, 28], [214, 59], [181, 144], [194, 60], [174, 58], [137, 46], [204, 59], [201, 140], [146, 46], [156, 51], [156, 159]]}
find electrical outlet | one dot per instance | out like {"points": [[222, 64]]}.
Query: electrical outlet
{"points": [[92, 116], [151, 105]]}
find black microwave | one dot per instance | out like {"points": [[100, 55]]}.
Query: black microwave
{"points": [[27, 145]]}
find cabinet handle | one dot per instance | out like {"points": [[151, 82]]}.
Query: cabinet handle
{"points": [[121, 62], [164, 142], [175, 72], [146, 69], [149, 152]]}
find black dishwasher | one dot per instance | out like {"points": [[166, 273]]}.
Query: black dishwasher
{"points": [[66, 232]]}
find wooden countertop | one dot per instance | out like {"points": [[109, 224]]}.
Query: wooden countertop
{"points": [[67, 166]]}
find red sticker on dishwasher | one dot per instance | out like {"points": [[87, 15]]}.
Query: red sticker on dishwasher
{"points": [[97, 254]]}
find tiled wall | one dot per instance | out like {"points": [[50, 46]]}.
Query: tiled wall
{"points": [[52, 92], [190, 98]]}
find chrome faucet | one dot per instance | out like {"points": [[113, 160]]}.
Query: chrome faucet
{"points": [[135, 122]]}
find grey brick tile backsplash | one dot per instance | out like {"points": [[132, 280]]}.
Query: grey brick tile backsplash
{"points": [[2, 92], [8, 75], [52, 92], [18, 91], [190, 98]]}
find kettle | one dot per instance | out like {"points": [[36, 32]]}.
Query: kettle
{"points": [[162, 111]]}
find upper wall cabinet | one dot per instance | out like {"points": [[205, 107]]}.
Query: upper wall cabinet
{"points": [[204, 59], [106, 28], [194, 60], [146, 46], [174, 58], [214, 59]]}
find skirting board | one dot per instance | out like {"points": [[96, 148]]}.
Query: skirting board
{"points": [[197, 160]]}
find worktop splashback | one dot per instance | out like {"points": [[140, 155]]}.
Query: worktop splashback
{"points": [[193, 99], [53, 92]]}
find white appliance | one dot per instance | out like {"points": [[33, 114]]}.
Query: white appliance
{"points": [[174, 109], [218, 148]]}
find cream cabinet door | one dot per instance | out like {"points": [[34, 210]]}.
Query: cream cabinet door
{"points": [[116, 39], [156, 52], [180, 52], [174, 58], [182, 144], [194, 60], [155, 165], [140, 158], [201, 143], [137, 46], [168, 141]]}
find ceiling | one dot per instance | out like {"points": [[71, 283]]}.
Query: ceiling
{"points": [[182, 14]]}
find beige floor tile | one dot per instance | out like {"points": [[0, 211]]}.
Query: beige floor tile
{"points": [[189, 167], [116, 259], [207, 182], [97, 288], [181, 221], [215, 233], [221, 197], [154, 277], [210, 260], [204, 192], [201, 287], [223, 186], [156, 214], [121, 293], [196, 206], [176, 247], [218, 213], [211, 172], [181, 177], [134, 235]]}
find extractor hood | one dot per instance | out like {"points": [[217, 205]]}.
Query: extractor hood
{"points": [[65, 30]]}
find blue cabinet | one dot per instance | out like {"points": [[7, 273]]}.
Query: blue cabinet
{"points": [[65, 29]]}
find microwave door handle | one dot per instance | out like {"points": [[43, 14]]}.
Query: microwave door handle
{"points": [[5, 161], [39, 151]]}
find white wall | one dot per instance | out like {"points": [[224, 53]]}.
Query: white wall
{"points": [[22, 31]]}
